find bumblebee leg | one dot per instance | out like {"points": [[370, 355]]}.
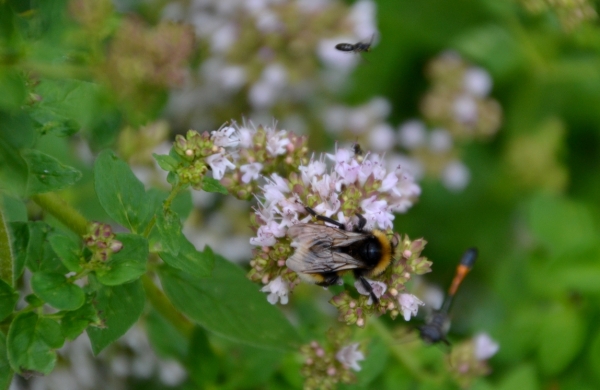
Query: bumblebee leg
{"points": [[367, 287], [329, 279], [325, 219], [361, 222]]}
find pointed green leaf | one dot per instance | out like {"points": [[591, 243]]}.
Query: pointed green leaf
{"points": [[40, 255], [166, 162], [68, 250], [57, 291], [121, 194], [169, 229], [8, 299], [128, 264], [228, 304], [212, 185], [31, 343], [47, 173], [190, 260], [6, 373], [118, 307], [20, 239]]}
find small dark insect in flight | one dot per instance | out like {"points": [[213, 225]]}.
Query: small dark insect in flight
{"points": [[356, 47], [357, 149], [323, 252], [433, 331]]}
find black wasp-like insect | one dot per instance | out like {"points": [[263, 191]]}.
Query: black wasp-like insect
{"points": [[323, 253], [356, 47], [434, 330]]}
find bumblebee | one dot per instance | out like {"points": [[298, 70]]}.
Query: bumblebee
{"points": [[323, 253], [356, 47], [435, 329]]}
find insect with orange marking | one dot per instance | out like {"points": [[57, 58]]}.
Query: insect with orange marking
{"points": [[435, 330]]}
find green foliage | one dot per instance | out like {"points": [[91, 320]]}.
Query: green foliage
{"points": [[8, 299], [57, 290], [126, 265]]}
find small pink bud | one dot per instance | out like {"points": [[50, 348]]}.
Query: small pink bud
{"points": [[360, 322], [394, 292], [309, 362], [407, 254], [352, 304], [314, 344], [320, 352], [331, 371], [280, 263], [116, 246], [189, 152], [265, 279]]}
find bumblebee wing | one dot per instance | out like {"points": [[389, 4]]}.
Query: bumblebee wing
{"points": [[315, 249]]}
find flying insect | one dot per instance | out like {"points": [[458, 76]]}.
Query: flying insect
{"points": [[358, 47], [323, 253], [434, 330]]}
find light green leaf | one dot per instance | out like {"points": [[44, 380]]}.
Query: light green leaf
{"points": [[57, 291], [6, 373], [47, 173], [190, 260], [118, 307], [166, 162], [75, 322], [212, 185], [128, 264], [169, 229], [120, 193], [31, 343], [228, 304], [68, 250]]}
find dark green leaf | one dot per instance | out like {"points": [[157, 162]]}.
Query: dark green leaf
{"points": [[20, 239], [12, 85], [561, 337], [523, 377], [118, 307], [169, 229], [76, 321], [166, 162], [57, 291], [49, 122], [230, 305], [594, 355], [204, 365], [40, 255], [8, 299], [190, 260], [14, 209], [6, 373], [212, 185], [31, 343], [68, 250], [128, 264], [167, 341], [47, 173], [120, 193]]}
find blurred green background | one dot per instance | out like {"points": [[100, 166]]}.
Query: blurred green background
{"points": [[531, 206]]}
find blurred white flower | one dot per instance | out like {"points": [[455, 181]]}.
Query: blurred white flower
{"points": [[465, 109], [456, 176], [409, 305], [477, 81], [349, 356], [440, 140], [412, 134], [278, 290], [382, 138], [485, 347]]}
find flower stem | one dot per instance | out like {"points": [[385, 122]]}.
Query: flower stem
{"points": [[162, 304], [6, 255], [62, 211]]}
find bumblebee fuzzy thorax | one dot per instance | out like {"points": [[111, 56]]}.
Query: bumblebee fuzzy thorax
{"points": [[387, 252]]}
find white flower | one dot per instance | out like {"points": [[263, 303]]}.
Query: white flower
{"points": [[219, 164], [485, 347], [409, 305], [329, 206], [376, 211], [381, 137], [456, 176], [246, 135], [412, 134], [477, 81], [264, 237], [465, 109], [349, 356], [379, 289], [278, 289], [226, 137], [440, 140], [251, 171], [276, 142]]}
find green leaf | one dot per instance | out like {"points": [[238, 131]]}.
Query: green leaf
{"points": [[74, 322], [167, 341], [8, 299], [594, 355], [128, 264], [14, 92], [47, 173], [561, 224], [7, 256], [166, 162], [523, 377], [6, 373], [14, 209], [212, 185], [190, 260], [230, 305], [57, 291], [31, 343], [169, 229], [561, 338], [68, 250], [120, 193], [40, 255], [204, 365], [20, 239], [118, 307]]}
